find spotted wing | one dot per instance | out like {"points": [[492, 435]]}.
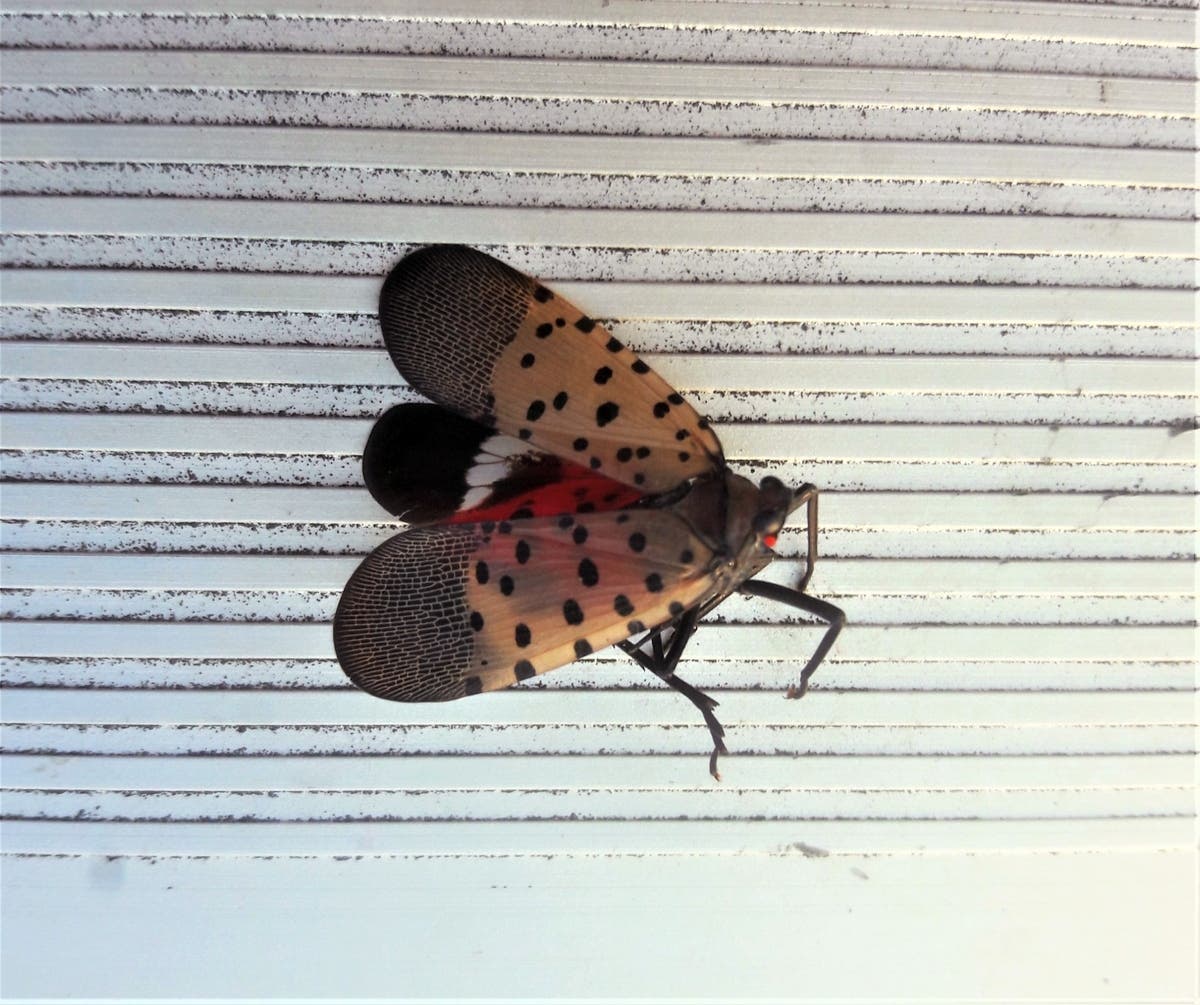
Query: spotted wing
{"points": [[450, 610], [495, 346]]}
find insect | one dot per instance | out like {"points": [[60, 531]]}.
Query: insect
{"points": [[563, 498]]}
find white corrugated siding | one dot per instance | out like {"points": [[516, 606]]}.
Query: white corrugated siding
{"points": [[937, 258]]}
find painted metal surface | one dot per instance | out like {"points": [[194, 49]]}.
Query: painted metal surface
{"points": [[937, 258]]}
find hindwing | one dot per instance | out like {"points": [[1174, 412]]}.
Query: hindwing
{"points": [[426, 464]]}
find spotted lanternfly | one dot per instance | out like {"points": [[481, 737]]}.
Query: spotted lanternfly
{"points": [[565, 498]]}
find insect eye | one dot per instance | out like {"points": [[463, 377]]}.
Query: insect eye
{"points": [[766, 526]]}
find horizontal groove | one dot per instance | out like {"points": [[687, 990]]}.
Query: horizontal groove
{"points": [[579, 803], [745, 443], [456, 845], [133, 325], [1048, 513], [573, 739], [738, 372], [595, 244], [720, 643], [70, 466], [1174, 413], [449, 153], [1071, 577], [887, 606], [599, 772], [1129, 20], [1078, 42], [345, 258], [516, 81], [294, 537], [670, 301], [556, 189], [747, 372], [750, 118], [574, 710], [610, 672]]}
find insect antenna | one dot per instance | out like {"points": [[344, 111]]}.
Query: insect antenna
{"points": [[806, 495]]}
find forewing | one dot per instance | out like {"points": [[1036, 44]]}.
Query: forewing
{"points": [[494, 345], [445, 611]]}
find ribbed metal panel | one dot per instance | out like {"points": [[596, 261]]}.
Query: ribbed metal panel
{"points": [[938, 259]]}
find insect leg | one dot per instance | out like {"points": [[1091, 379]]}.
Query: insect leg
{"points": [[835, 617], [662, 664]]}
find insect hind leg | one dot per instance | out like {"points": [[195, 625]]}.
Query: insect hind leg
{"points": [[834, 617], [662, 662]]}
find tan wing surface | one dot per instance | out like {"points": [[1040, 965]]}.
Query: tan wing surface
{"points": [[445, 611], [494, 345]]}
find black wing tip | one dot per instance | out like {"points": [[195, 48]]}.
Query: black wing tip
{"points": [[378, 628], [414, 267], [433, 260]]}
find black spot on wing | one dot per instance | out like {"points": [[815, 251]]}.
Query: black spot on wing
{"points": [[589, 575], [607, 412]]}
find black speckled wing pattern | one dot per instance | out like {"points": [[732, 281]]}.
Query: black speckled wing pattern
{"points": [[451, 609], [494, 345]]}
